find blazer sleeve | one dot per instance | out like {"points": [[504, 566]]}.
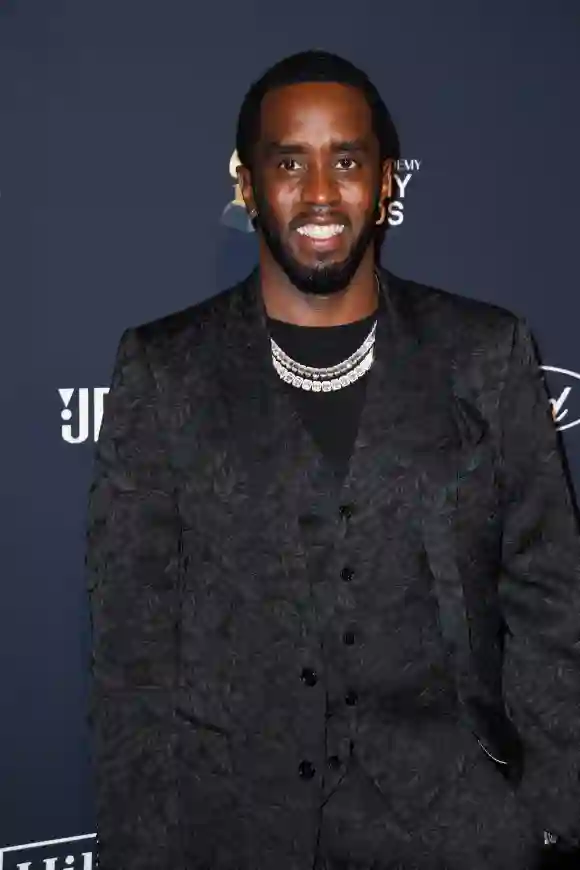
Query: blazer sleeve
{"points": [[132, 564], [540, 594]]}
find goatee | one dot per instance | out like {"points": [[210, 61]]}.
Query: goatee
{"points": [[323, 279]]}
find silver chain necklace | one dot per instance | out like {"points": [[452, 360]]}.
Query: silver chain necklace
{"points": [[325, 379]]}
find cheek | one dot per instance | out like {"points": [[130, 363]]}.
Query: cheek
{"points": [[280, 200], [360, 199], [284, 200]]}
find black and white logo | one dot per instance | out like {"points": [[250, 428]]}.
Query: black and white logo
{"points": [[82, 414], [67, 853], [564, 388]]}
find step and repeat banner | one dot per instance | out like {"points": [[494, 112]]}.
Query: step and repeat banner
{"points": [[118, 204]]}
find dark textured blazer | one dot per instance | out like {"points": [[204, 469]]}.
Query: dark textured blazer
{"points": [[240, 591]]}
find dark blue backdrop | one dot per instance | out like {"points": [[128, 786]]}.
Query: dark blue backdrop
{"points": [[116, 130]]}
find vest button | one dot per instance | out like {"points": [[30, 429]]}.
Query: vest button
{"points": [[348, 638], [309, 676], [346, 511], [351, 698], [333, 762], [306, 769], [346, 574]]}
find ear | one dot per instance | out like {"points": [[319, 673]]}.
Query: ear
{"points": [[387, 179], [245, 185]]}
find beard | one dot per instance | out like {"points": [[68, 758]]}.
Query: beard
{"points": [[322, 279]]}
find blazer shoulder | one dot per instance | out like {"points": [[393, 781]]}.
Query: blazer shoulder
{"points": [[180, 339], [182, 325], [451, 317]]}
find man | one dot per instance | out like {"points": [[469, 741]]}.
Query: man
{"points": [[332, 554]]}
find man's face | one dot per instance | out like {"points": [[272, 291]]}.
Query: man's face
{"points": [[316, 183]]}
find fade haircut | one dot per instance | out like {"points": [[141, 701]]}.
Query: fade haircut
{"points": [[313, 66]]}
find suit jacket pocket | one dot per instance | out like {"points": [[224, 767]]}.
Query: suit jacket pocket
{"points": [[415, 766]]}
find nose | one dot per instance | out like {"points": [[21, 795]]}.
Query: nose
{"points": [[320, 186]]}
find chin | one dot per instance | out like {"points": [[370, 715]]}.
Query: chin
{"points": [[319, 282], [323, 261]]}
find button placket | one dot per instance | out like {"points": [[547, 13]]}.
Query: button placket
{"points": [[318, 529], [346, 511], [309, 677]]}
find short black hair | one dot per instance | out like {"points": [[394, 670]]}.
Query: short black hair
{"points": [[313, 66]]}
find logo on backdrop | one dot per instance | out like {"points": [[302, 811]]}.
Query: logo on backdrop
{"points": [[236, 217], [82, 409], [82, 413], [565, 405], [67, 853]]}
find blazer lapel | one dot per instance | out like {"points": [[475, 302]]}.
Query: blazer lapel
{"points": [[407, 429], [280, 460]]}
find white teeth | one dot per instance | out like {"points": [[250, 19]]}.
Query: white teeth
{"points": [[316, 231]]}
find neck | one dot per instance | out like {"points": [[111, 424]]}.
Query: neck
{"points": [[283, 301]]}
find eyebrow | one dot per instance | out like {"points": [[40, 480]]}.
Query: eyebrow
{"points": [[348, 145]]}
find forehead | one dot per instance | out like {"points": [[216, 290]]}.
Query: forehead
{"points": [[313, 112]]}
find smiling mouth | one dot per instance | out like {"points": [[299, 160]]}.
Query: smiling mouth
{"points": [[320, 231]]}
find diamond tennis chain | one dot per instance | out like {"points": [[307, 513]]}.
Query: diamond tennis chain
{"points": [[325, 379]]}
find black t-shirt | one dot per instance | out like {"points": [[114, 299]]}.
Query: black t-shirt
{"points": [[331, 417]]}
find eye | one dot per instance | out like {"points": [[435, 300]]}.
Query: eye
{"points": [[347, 163], [289, 164]]}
